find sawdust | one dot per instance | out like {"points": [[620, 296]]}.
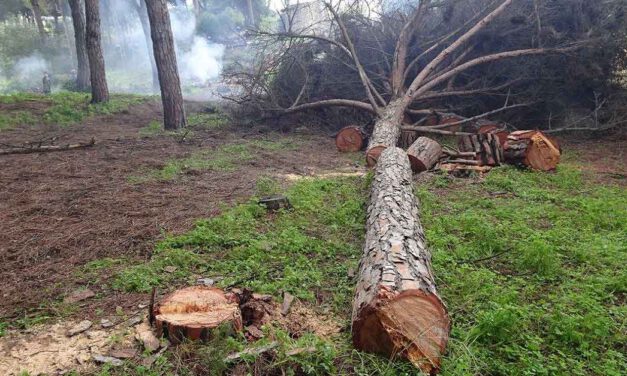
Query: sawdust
{"points": [[47, 349]]}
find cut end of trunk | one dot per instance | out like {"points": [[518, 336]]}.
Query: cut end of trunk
{"points": [[533, 149], [413, 324], [194, 311], [350, 139], [373, 154], [423, 154]]}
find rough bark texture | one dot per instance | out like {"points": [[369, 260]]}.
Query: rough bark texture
{"points": [[386, 130], [397, 310], [37, 14], [143, 17], [165, 58], [82, 71], [99, 89], [350, 139], [532, 149], [193, 312], [423, 154], [487, 147]]}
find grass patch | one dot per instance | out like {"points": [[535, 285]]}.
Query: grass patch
{"points": [[531, 266], [64, 108], [201, 120], [224, 158]]}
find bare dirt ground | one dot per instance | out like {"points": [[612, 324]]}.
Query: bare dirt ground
{"points": [[59, 211]]}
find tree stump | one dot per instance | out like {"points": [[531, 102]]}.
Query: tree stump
{"points": [[423, 154], [193, 312], [397, 310], [351, 139], [532, 149], [487, 147]]}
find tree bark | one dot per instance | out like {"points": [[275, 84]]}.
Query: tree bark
{"points": [[386, 131], [397, 310], [143, 17], [66, 29], [165, 57], [99, 88], [82, 71], [40, 24], [423, 154]]}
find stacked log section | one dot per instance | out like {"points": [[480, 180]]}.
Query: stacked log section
{"points": [[532, 149], [487, 147], [496, 130], [397, 310], [351, 139], [386, 131], [193, 312], [423, 154]]}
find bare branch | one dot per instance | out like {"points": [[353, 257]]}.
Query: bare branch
{"points": [[327, 103]]}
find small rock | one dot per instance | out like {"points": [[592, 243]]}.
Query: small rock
{"points": [[254, 332], [78, 295], [81, 327], [288, 299], [134, 321], [170, 269], [145, 335], [205, 281], [108, 360], [127, 353], [105, 323]]}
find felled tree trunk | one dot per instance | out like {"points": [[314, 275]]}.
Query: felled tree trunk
{"points": [[423, 154], [351, 139], [386, 130], [487, 148], [193, 312], [532, 149], [397, 310]]}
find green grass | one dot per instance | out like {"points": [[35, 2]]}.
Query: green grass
{"points": [[531, 266], [224, 158], [64, 108]]}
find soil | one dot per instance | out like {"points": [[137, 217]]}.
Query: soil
{"points": [[59, 211]]}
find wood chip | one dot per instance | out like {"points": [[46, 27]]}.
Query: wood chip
{"points": [[288, 299], [251, 351], [78, 295], [108, 360], [144, 334], [127, 353], [79, 328]]}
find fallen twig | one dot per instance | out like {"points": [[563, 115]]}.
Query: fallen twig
{"points": [[49, 148]]}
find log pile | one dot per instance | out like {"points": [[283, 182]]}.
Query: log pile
{"points": [[533, 149], [397, 310], [486, 148]]}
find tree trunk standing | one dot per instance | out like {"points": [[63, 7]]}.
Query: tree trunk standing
{"points": [[40, 24], [66, 30], [165, 57], [397, 310], [82, 72], [143, 17], [99, 89], [250, 13]]}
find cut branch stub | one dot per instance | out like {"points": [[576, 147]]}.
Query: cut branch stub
{"points": [[350, 139], [532, 149], [423, 154], [193, 313], [397, 310]]}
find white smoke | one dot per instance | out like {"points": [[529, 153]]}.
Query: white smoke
{"points": [[29, 70], [202, 62]]}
